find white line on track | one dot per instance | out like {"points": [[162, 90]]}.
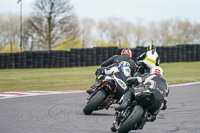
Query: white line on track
{"points": [[184, 84], [5, 95]]}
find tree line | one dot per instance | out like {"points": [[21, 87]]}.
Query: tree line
{"points": [[53, 25]]}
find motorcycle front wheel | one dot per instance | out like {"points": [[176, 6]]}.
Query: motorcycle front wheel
{"points": [[132, 120], [94, 102]]}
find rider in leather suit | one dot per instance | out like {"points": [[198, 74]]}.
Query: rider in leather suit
{"points": [[109, 67], [154, 82], [147, 60]]}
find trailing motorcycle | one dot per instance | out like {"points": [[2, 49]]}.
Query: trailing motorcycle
{"points": [[135, 115]]}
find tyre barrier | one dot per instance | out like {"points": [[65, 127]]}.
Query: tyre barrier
{"points": [[92, 56]]}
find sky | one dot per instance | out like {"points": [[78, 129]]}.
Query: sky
{"points": [[130, 10]]}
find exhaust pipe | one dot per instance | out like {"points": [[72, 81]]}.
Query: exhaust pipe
{"points": [[150, 117]]}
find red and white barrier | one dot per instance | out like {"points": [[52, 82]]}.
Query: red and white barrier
{"points": [[4, 95]]}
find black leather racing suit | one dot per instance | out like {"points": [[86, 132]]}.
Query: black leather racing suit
{"points": [[154, 83], [114, 61]]}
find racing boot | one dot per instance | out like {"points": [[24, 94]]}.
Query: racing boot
{"points": [[90, 91], [97, 83], [128, 96]]}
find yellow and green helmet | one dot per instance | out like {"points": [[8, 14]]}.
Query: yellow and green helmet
{"points": [[151, 47]]}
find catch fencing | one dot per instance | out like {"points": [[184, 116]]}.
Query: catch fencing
{"points": [[91, 56]]}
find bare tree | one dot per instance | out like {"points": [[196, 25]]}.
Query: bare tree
{"points": [[53, 21], [176, 31], [30, 36], [115, 30], [9, 29], [140, 33], [185, 31], [196, 33], [110, 30], [166, 32], [87, 32], [153, 32]]}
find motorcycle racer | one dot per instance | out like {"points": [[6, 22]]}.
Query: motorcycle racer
{"points": [[121, 66], [148, 60], [153, 82]]}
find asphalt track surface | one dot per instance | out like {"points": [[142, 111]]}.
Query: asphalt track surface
{"points": [[62, 113]]}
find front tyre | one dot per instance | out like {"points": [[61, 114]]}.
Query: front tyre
{"points": [[132, 120], [94, 102]]}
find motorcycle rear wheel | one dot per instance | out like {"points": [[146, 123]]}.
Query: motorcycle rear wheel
{"points": [[133, 119], [94, 102]]}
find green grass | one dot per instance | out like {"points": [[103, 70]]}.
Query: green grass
{"points": [[81, 78], [181, 72]]}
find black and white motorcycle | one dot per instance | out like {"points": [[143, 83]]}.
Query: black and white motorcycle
{"points": [[135, 115], [105, 91]]}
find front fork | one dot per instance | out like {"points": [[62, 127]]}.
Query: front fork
{"points": [[90, 96], [108, 101]]}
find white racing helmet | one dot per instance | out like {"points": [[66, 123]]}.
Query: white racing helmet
{"points": [[157, 70], [125, 67]]}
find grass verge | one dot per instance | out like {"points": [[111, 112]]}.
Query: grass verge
{"points": [[82, 78]]}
